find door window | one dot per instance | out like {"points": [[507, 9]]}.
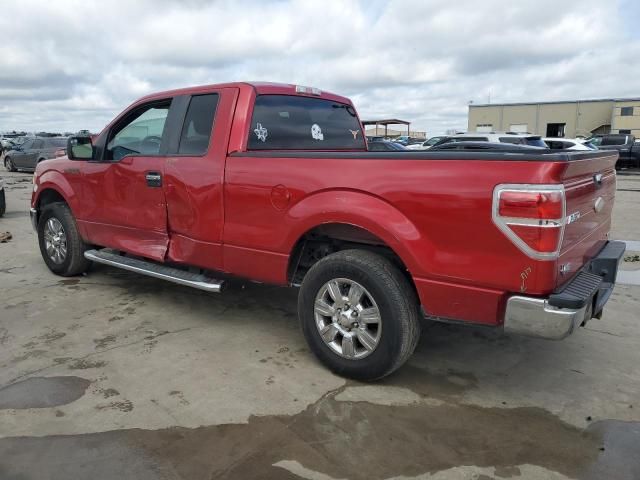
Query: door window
{"points": [[140, 133], [198, 123], [37, 144], [26, 145]]}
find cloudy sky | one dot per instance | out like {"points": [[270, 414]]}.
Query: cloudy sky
{"points": [[67, 65]]}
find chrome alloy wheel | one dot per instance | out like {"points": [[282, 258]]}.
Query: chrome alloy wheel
{"points": [[348, 318], [55, 240]]}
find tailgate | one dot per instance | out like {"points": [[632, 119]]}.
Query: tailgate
{"points": [[590, 187]]}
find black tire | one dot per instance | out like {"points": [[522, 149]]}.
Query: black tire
{"points": [[3, 203], [395, 299], [74, 262], [8, 164]]}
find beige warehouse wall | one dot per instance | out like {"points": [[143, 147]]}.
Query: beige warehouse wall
{"points": [[557, 113], [519, 115], [485, 115], [628, 122], [593, 115], [580, 118]]}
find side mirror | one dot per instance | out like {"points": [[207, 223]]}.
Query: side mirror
{"points": [[80, 148]]}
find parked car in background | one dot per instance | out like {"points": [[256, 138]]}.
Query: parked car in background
{"points": [[496, 137], [3, 200], [485, 146], [624, 144], [555, 143], [427, 144], [33, 151], [7, 144], [385, 146], [405, 140]]}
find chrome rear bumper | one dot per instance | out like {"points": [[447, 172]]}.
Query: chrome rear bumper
{"points": [[577, 301], [535, 317]]}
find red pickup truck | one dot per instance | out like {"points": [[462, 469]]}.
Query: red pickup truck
{"points": [[274, 183]]}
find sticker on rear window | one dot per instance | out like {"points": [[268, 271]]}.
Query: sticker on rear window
{"points": [[354, 133], [261, 132], [316, 132]]}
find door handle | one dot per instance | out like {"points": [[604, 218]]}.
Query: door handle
{"points": [[154, 179]]}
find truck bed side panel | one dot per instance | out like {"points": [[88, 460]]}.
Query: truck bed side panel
{"points": [[448, 204]]}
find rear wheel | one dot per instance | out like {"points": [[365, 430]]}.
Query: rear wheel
{"points": [[61, 246], [359, 314], [8, 164]]}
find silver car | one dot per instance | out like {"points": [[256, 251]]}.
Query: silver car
{"points": [[33, 151]]}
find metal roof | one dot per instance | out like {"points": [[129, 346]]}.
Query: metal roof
{"points": [[386, 121], [634, 99]]}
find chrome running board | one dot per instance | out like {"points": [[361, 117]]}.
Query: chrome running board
{"points": [[156, 270]]}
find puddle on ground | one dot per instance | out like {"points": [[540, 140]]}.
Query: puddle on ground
{"points": [[42, 392], [341, 439]]}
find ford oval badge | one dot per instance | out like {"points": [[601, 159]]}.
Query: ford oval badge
{"points": [[597, 179]]}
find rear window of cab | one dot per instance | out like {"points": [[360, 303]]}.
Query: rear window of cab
{"points": [[288, 122]]}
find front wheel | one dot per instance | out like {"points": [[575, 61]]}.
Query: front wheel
{"points": [[8, 164], [359, 314], [61, 245]]}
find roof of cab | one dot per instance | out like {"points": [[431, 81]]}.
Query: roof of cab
{"points": [[261, 88]]}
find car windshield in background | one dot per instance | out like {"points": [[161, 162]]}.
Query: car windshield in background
{"points": [[535, 142], [513, 140], [385, 146], [288, 122]]}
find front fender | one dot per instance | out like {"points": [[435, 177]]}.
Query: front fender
{"points": [[56, 181], [363, 210]]}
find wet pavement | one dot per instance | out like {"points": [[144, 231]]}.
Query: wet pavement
{"points": [[42, 392], [112, 375]]}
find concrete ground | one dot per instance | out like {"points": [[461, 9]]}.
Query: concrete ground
{"points": [[118, 376]]}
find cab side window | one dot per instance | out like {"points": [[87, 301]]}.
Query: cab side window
{"points": [[141, 132], [198, 124]]}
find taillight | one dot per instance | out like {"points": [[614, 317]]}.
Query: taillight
{"points": [[60, 153], [538, 205], [532, 217]]}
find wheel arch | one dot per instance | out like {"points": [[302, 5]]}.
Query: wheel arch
{"points": [[53, 187], [339, 220]]}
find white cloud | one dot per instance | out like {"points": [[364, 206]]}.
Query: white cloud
{"points": [[72, 64]]}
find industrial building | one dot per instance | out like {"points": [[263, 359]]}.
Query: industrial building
{"points": [[580, 118]]}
